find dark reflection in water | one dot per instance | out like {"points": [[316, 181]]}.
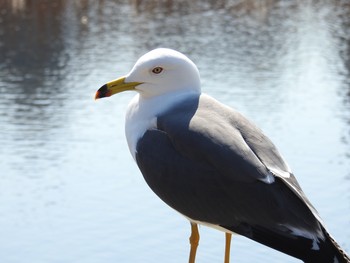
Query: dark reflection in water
{"points": [[66, 176]]}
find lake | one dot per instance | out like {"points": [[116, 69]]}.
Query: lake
{"points": [[69, 188]]}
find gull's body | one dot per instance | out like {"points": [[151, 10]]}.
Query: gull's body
{"points": [[214, 166]]}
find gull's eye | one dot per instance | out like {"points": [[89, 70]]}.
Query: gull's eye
{"points": [[157, 70]]}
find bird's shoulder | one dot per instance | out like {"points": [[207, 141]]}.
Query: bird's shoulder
{"points": [[202, 127]]}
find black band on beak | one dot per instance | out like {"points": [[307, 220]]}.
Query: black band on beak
{"points": [[102, 92]]}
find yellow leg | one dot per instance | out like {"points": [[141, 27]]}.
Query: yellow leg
{"points": [[227, 247], [194, 239]]}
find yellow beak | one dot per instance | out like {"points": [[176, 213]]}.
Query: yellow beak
{"points": [[115, 86]]}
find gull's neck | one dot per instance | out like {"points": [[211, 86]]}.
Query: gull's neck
{"points": [[142, 113]]}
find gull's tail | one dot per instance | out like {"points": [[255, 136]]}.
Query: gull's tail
{"points": [[329, 252], [324, 249]]}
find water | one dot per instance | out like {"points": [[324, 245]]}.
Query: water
{"points": [[69, 189]]}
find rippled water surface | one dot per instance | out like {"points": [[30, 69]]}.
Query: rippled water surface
{"points": [[69, 189]]}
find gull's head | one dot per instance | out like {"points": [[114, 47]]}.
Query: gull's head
{"points": [[157, 72]]}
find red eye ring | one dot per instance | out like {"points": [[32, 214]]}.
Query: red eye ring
{"points": [[157, 70]]}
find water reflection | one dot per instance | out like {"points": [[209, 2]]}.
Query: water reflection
{"points": [[64, 165]]}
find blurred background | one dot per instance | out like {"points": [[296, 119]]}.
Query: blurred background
{"points": [[69, 188]]}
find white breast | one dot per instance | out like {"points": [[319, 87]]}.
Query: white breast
{"points": [[142, 113]]}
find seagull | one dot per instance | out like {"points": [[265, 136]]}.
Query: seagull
{"points": [[213, 165]]}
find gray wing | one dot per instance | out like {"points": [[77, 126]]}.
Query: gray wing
{"points": [[229, 141], [211, 164]]}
